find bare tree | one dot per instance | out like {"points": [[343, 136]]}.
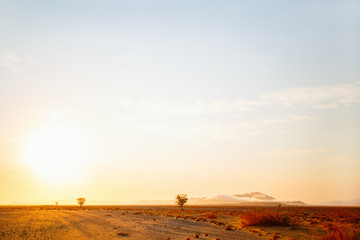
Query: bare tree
{"points": [[181, 199], [81, 201]]}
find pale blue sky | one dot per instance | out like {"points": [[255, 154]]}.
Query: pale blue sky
{"points": [[262, 88]]}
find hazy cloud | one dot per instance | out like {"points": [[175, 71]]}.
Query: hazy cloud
{"points": [[10, 61], [316, 97], [325, 106], [326, 97], [228, 119], [288, 119]]}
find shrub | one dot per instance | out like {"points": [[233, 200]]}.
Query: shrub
{"points": [[342, 233], [123, 234], [229, 227], [210, 215]]}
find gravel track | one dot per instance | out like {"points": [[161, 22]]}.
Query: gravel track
{"points": [[106, 224]]}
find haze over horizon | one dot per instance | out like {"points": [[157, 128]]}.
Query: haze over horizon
{"points": [[135, 100]]}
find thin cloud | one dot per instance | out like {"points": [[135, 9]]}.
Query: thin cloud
{"points": [[326, 97], [326, 106], [316, 97], [8, 60], [288, 119], [229, 119]]}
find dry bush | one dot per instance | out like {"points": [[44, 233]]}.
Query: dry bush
{"points": [[123, 234], [210, 215], [229, 227], [219, 223], [258, 217], [342, 233]]}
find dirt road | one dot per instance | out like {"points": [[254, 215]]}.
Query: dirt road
{"points": [[106, 224]]}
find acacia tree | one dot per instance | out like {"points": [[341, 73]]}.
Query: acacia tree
{"points": [[181, 199], [81, 201]]}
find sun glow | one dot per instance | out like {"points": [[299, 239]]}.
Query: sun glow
{"points": [[57, 153]]}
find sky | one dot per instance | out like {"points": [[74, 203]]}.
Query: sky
{"points": [[139, 100]]}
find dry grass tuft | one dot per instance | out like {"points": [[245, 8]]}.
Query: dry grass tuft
{"points": [[123, 234], [258, 217], [219, 223], [342, 233], [210, 215], [229, 227]]}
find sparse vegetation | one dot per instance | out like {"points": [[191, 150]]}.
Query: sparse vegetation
{"points": [[181, 199], [326, 223], [343, 232], [123, 234], [210, 215], [229, 227], [262, 217], [81, 201]]}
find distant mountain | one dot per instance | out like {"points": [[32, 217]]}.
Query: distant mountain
{"points": [[354, 202], [293, 203], [253, 198]]}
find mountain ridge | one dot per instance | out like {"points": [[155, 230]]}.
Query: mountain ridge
{"points": [[253, 198]]}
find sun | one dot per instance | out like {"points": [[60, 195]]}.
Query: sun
{"points": [[57, 153]]}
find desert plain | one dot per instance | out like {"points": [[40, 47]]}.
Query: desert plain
{"points": [[169, 222]]}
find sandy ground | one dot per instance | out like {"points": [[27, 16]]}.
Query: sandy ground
{"points": [[106, 224]]}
